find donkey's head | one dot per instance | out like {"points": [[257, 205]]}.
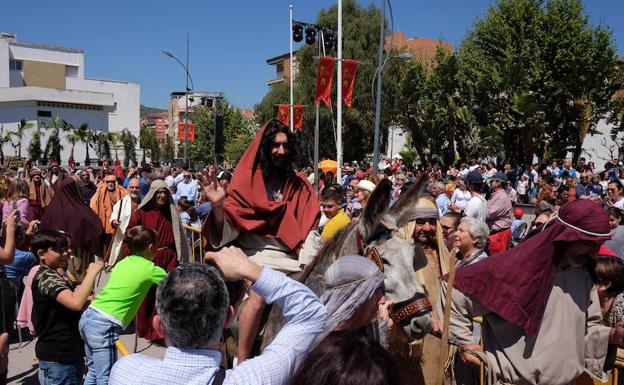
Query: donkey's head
{"points": [[377, 236]]}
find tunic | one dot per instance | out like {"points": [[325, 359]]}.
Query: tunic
{"points": [[166, 258], [570, 339]]}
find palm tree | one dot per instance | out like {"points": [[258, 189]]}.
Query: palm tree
{"points": [[22, 127], [4, 138], [53, 146], [34, 148], [116, 139], [85, 136], [72, 138]]}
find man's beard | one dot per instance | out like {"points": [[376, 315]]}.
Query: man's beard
{"points": [[111, 189], [280, 162], [134, 196]]}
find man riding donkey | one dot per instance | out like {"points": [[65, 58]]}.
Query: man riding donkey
{"points": [[540, 308], [268, 212]]}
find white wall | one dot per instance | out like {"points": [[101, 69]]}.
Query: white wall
{"points": [[600, 147], [11, 114], [127, 97], [49, 55], [4, 63]]}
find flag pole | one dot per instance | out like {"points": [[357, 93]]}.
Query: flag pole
{"points": [[292, 72], [339, 97]]}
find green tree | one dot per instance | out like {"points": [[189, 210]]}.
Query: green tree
{"points": [[169, 150], [129, 145], [53, 146], [34, 147], [537, 76], [238, 133], [116, 139], [361, 31], [22, 127]]}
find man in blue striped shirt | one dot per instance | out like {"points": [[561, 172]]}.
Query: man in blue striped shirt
{"points": [[193, 308]]}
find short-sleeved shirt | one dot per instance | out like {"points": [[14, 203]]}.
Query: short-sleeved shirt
{"points": [[335, 224], [56, 326], [127, 286]]}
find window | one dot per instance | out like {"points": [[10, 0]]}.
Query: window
{"points": [[44, 114], [15, 65]]}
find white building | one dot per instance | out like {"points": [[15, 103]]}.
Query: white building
{"points": [[39, 82]]}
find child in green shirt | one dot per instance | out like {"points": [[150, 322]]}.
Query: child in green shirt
{"points": [[116, 305]]}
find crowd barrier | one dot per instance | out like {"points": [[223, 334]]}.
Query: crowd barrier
{"points": [[193, 235]]}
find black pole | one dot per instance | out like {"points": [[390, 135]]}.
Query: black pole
{"points": [[218, 132]]}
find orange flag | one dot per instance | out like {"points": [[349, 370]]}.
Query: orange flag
{"points": [[324, 78], [299, 116], [349, 67], [283, 114]]}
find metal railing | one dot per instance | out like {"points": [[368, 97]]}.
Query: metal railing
{"points": [[193, 235]]}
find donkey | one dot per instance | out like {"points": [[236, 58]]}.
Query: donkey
{"points": [[376, 236]]}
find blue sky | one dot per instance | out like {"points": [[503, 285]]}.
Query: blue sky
{"points": [[230, 40]]}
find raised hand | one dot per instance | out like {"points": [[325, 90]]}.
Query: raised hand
{"points": [[213, 191]]}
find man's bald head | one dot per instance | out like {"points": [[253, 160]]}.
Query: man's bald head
{"points": [[134, 188]]}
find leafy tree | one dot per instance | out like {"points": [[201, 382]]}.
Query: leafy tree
{"points": [[129, 145], [116, 139], [537, 77], [34, 147], [4, 138], [22, 127], [361, 31], [238, 133], [103, 144], [169, 150], [54, 147]]}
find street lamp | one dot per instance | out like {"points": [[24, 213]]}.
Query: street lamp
{"points": [[379, 75], [186, 96]]}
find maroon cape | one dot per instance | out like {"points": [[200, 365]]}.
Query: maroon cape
{"points": [[516, 284], [248, 208], [68, 212]]}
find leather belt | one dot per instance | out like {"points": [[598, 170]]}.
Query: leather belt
{"points": [[411, 308]]}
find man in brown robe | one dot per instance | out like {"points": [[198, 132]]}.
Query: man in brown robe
{"points": [[40, 195], [102, 203]]}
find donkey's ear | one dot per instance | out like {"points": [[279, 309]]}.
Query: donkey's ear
{"points": [[377, 204], [402, 211]]}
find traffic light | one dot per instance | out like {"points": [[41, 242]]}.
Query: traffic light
{"points": [[297, 32], [310, 35], [329, 39]]}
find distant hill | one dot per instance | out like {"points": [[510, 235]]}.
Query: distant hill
{"points": [[145, 110]]}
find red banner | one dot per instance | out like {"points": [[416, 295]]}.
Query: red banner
{"points": [[298, 116], [283, 114], [191, 131], [349, 67], [324, 78]]}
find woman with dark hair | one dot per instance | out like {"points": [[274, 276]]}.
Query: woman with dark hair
{"points": [[188, 214], [610, 286], [347, 358], [616, 243]]}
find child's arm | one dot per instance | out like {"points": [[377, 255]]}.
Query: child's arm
{"points": [[7, 253], [76, 300]]}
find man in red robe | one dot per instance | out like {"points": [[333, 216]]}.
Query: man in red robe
{"points": [[268, 212], [158, 212]]}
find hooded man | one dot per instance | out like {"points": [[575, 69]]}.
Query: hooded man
{"points": [[102, 203], [540, 308], [158, 212], [268, 212], [122, 212]]}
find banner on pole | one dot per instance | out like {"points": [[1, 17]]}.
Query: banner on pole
{"points": [[191, 132], [349, 68], [298, 116], [283, 114], [324, 79]]}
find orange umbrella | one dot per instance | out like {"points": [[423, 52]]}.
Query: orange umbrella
{"points": [[328, 165]]}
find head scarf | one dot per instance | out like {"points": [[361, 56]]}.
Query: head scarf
{"points": [[182, 247], [349, 282], [248, 208], [68, 212], [427, 208], [516, 284]]}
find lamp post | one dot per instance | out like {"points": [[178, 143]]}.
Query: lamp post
{"points": [[379, 75], [186, 96]]}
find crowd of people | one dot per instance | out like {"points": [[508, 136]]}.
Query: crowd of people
{"points": [[537, 252]]}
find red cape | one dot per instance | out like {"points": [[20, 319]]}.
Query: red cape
{"points": [[248, 207]]}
